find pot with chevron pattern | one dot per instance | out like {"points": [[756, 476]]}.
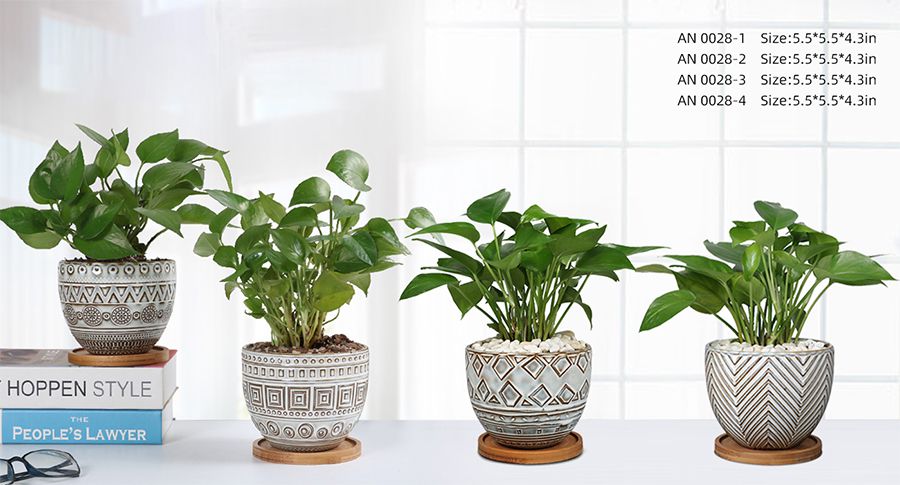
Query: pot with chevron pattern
{"points": [[528, 401], [768, 400], [117, 307]]}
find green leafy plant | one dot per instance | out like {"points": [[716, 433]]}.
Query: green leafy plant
{"points": [[767, 279], [95, 209], [524, 279], [298, 265]]}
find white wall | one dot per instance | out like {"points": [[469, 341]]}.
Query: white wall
{"points": [[566, 103]]}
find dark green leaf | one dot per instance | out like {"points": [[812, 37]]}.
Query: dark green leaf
{"points": [[851, 268], [300, 217], [603, 259], [467, 261], [750, 261], [97, 137], [67, 177], [218, 224], [187, 150], [426, 282], [465, 296], [665, 307], [311, 191], [706, 266], [226, 256], [171, 198], [168, 174], [710, 295], [219, 157], [535, 213], [774, 214], [24, 220], [488, 208], [271, 207], [195, 214], [463, 229], [110, 246], [725, 251], [251, 237], [157, 147], [566, 245], [99, 220], [41, 240], [350, 167], [230, 200], [166, 218]]}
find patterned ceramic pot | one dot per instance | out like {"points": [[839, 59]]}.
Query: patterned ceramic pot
{"points": [[116, 308], [528, 401], [305, 402], [769, 401]]}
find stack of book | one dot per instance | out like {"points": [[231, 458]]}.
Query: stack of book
{"points": [[45, 400]]}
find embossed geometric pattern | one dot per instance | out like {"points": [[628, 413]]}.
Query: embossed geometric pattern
{"points": [[115, 307], [309, 402], [769, 401], [523, 404]]}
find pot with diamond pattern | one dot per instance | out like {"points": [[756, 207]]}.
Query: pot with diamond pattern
{"points": [[305, 402], [528, 401], [117, 307]]}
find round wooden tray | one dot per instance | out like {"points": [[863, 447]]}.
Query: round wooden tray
{"points": [[570, 447], [808, 450], [157, 355], [348, 450]]}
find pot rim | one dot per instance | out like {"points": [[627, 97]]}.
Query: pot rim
{"points": [[469, 348], [709, 348], [93, 261], [245, 350]]}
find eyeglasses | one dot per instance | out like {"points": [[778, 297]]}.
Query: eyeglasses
{"points": [[39, 463]]}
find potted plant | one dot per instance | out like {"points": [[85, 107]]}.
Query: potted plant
{"points": [[768, 387], [296, 267], [115, 300], [528, 382]]}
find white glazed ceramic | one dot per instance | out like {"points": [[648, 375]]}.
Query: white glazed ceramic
{"points": [[305, 402], [769, 401], [116, 308], [528, 401]]}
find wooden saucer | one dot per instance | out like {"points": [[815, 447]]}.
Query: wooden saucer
{"points": [[808, 450], [570, 447], [348, 450], [157, 355]]}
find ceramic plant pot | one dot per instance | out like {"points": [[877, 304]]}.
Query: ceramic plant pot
{"points": [[528, 401], [305, 402], [769, 401], [117, 308]]}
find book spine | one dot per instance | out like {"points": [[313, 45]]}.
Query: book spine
{"points": [[83, 426], [87, 387]]}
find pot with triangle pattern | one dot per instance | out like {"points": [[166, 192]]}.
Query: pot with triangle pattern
{"points": [[771, 399], [117, 307], [528, 401]]}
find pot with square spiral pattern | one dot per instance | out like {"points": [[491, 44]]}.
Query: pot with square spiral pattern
{"points": [[768, 400], [305, 402], [119, 307], [528, 401]]}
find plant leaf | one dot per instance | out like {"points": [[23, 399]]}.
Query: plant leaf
{"points": [[100, 219], [426, 282], [207, 245], [751, 259], [166, 218], [665, 307], [463, 229], [851, 268], [311, 191], [24, 220], [272, 208], [602, 259], [466, 296], [350, 167], [300, 217], [230, 200], [165, 175], [488, 208], [41, 240], [330, 292], [774, 214], [97, 137], [157, 147], [110, 246], [68, 175], [195, 214]]}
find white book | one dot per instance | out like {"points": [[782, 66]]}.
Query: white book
{"points": [[44, 379]]}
